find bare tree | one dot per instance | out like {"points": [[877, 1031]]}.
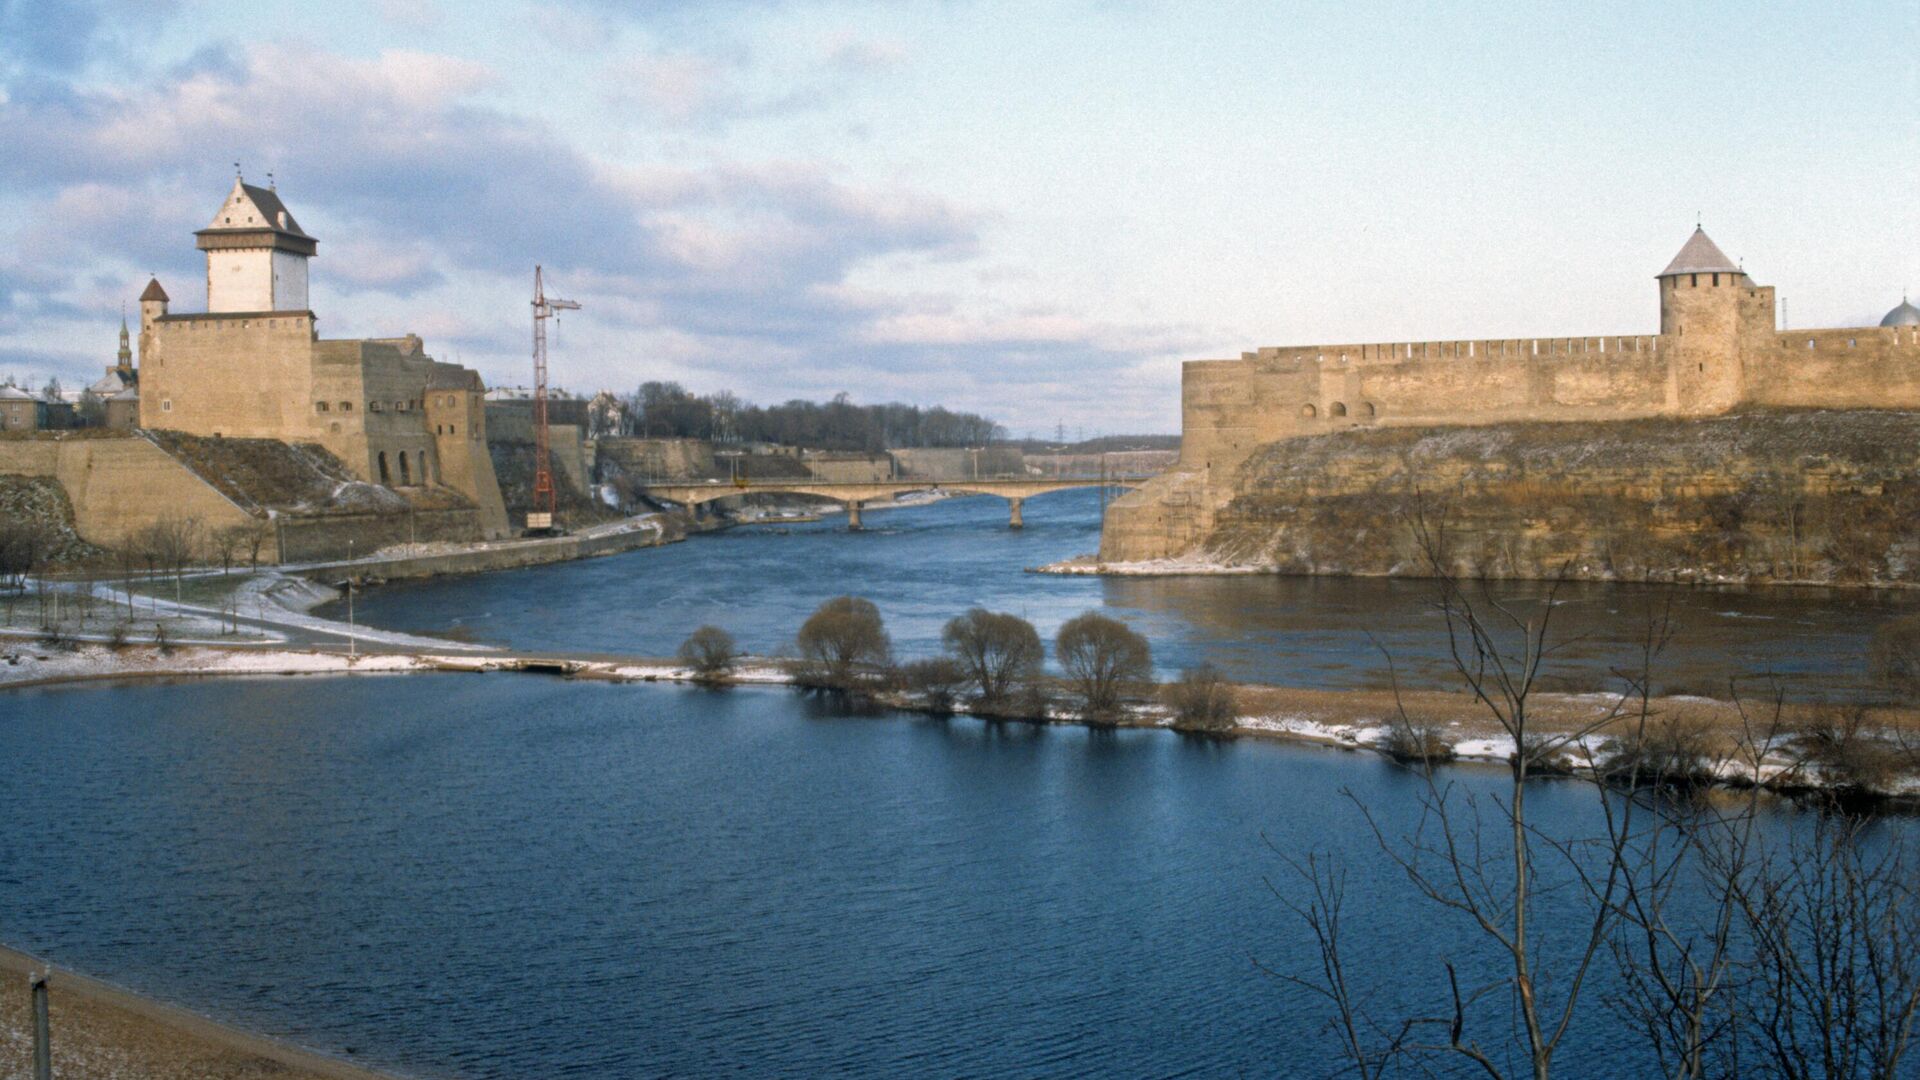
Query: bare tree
{"points": [[257, 532], [841, 643], [172, 544], [1735, 952], [710, 652], [226, 542], [1480, 858], [998, 651], [23, 547], [1104, 659], [1832, 979], [89, 410]]}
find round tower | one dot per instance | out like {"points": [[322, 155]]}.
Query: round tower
{"points": [[1714, 321], [1700, 290]]}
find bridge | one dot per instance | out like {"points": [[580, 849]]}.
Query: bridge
{"points": [[853, 493]]}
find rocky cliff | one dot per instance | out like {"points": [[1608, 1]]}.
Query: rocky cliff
{"points": [[1802, 496]]}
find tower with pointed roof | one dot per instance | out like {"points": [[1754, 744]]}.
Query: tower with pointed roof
{"points": [[1709, 313], [254, 366], [256, 254]]}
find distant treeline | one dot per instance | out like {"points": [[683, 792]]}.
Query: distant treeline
{"points": [[667, 410], [1104, 444]]}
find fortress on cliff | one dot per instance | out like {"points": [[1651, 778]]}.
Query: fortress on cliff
{"points": [[1719, 350], [253, 365]]}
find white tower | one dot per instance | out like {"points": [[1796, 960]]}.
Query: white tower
{"points": [[256, 254]]}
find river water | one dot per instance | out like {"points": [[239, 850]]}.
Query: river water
{"points": [[923, 565], [516, 876]]}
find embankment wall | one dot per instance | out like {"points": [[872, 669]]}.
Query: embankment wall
{"points": [[121, 485], [506, 555]]}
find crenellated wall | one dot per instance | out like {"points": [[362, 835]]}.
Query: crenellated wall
{"points": [[1232, 407], [1719, 352]]}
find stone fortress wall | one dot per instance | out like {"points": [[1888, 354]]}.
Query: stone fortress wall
{"points": [[1718, 351]]}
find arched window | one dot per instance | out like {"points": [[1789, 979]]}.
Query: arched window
{"points": [[1367, 409], [1309, 411], [384, 478], [406, 476], [1337, 409]]}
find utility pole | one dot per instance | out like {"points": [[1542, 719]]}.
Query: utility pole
{"points": [[540, 517]]}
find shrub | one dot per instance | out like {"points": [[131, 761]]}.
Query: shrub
{"points": [[710, 652], [937, 680], [1668, 751], [842, 640], [1103, 659], [996, 651], [1549, 755], [1851, 756], [117, 636], [1422, 741], [1202, 700]]}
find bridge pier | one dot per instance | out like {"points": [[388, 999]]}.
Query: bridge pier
{"points": [[1013, 514], [853, 516]]}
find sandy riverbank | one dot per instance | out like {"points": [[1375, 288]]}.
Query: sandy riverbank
{"points": [[102, 1032]]}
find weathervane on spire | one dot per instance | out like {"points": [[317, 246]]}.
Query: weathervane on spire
{"points": [[236, 171], [270, 186]]}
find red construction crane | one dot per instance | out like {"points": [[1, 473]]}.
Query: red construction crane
{"points": [[540, 517]]}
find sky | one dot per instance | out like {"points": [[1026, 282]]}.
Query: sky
{"points": [[1035, 211]]}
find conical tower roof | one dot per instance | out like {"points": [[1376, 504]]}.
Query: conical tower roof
{"points": [[154, 291], [1700, 256]]}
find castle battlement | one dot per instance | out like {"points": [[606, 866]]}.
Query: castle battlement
{"points": [[1718, 350], [1464, 349]]}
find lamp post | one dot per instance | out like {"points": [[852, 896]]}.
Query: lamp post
{"points": [[352, 652]]}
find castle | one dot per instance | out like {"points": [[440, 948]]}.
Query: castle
{"points": [[1718, 351], [254, 366]]}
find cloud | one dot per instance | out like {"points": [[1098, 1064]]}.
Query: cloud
{"points": [[401, 269], [431, 206], [719, 84], [851, 52]]}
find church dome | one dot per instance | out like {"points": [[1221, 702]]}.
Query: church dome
{"points": [[1904, 315]]}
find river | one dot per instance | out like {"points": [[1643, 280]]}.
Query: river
{"points": [[512, 876], [922, 565]]}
